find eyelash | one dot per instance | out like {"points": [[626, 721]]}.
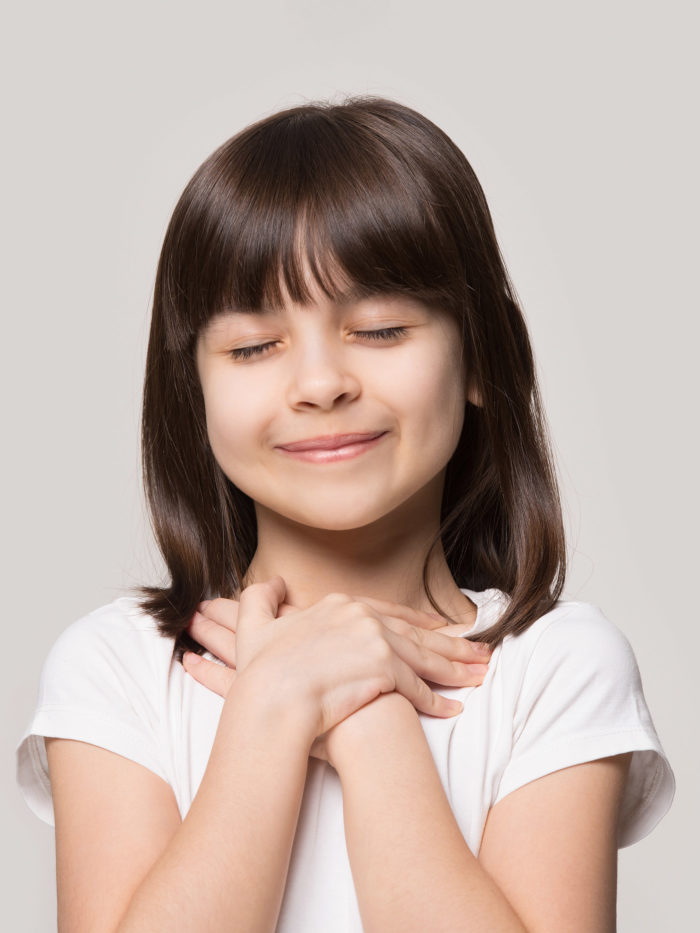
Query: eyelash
{"points": [[384, 333]]}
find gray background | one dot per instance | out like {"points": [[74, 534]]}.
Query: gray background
{"points": [[577, 120]]}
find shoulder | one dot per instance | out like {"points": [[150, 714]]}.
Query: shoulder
{"points": [[573, 663], [575, 695], [576, 633], [117, 625], [116, 644], [574, 669], [104, 681], [574, 619]]}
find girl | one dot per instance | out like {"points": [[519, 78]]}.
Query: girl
{"points": [[360, 702]]}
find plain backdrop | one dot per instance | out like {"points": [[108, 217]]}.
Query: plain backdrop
{"points": [[580, 121]]}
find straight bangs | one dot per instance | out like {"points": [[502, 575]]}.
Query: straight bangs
{"points": [[316, 194]]}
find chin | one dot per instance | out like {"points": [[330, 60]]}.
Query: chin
{"points": [[335, 520], [330, 513]]}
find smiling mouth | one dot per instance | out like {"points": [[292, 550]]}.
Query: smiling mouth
{"points": [[331, 441], [333, 447]]}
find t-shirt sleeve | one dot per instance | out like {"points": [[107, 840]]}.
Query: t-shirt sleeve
{"points": [[582, 699], [97, 685]]}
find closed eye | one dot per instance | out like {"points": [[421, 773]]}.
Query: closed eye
{"points": [[244, 353], [384, 333]]}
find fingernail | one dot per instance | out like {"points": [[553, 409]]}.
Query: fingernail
{"points": [[456, 705], [191, 657], [203, 605], [481, 647]]}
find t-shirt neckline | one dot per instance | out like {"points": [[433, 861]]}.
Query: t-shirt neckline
{"points": [[488, 602]]}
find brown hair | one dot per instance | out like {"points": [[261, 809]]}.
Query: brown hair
{"points": [[374, 190]]}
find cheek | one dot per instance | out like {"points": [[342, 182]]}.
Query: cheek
{"points": [[432, 400], [234, 421]]}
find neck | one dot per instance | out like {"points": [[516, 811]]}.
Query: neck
{"points": [[383, 560]]}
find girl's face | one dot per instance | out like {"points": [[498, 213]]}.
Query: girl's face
{"points": [[386, 366]]}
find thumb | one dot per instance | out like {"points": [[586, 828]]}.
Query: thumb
{"points": [[259, 602], [285, 609]]}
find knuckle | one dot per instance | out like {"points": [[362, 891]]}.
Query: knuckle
{"points": [[401, 627], [385, 681], [337, 598], [364, 613], [436, 700], [360, 609], [255, 590], [464, 649], [427, 659], [425, 697], [382, 650], [372, 627]]}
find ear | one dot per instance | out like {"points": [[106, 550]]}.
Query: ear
{"points": [[473, 394]]}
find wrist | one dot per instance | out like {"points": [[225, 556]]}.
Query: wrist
{"points": [[377, 721], [276, 704]]}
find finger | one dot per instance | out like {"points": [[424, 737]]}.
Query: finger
{"points": [[215, 677], [449, 646], [260, 601], [425, 620], [221, 610], [216, 638], [434, 665], [285, 608], [421, 696], [225, 611]]}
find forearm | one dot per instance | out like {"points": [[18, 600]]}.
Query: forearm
{"points": [[411, 866], [226, 866]]}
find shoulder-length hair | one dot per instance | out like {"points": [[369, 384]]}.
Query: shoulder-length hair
{"points": [[374, 190]]}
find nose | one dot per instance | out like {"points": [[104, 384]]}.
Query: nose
{"points": [[321, 378]]}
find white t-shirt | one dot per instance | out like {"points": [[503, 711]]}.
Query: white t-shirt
{"points": [[565, 691]]}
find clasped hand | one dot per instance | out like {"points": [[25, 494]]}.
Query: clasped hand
{"points": [[407, 647]]}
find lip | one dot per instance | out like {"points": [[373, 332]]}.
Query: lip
{"points": [[333, 447], [330, 441]]}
